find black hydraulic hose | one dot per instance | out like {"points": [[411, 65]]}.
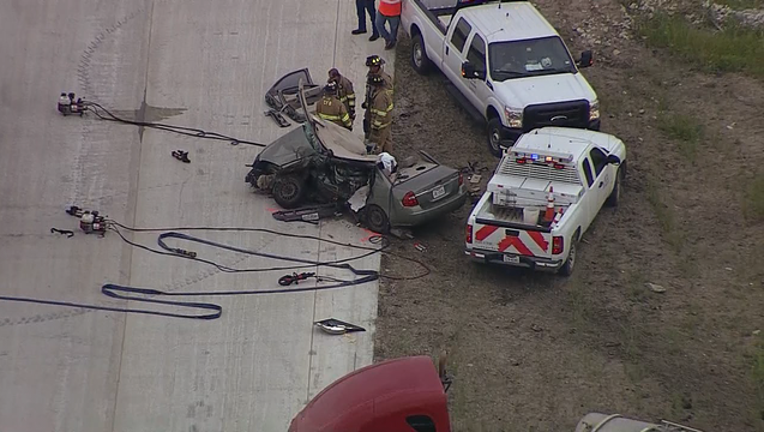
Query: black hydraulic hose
{"points": [[105, 114], [137, 294]]}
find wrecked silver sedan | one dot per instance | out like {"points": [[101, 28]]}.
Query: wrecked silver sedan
{"points": [[321, 162]]}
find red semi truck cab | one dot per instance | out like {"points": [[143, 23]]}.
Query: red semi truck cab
{"points": [[405, 394]]}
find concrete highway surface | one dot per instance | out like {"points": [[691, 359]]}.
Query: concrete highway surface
{"points": [[191, 63]]}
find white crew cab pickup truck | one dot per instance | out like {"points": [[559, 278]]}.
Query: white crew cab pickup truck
{"points": [[543, 196], [504, 62]]}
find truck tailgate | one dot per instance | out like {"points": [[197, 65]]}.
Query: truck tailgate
{"points": [[497, 236]]}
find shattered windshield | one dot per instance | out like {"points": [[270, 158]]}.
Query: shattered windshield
{"points": [[531, 57]]}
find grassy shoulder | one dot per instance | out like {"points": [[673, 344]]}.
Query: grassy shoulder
{"points": [[732, 49]]}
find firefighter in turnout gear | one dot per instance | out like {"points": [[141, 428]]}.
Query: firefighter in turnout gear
{"points": [[375, 64], [380, 116], [345, 91], [330, 108]]}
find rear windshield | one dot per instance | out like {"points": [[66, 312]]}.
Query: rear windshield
{"points": [[530, 57]]}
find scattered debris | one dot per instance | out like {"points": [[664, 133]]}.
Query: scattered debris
{"points": [[402, 234], [475, 178], [756, 332], [358, 200], [337, 327], [655, 287], [277, 117], [308, 214], [420, 247], [514, 362], [68, 233], [536, 328], [181, 156]]}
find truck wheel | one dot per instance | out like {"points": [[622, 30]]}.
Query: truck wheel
{"points": [[288, 191], [419, 60], [494, 136], [615, 195], [567, 268], [376, 219]]}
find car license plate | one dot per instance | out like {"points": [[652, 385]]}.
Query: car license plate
{"points": [[439, 192], [510, 259]]}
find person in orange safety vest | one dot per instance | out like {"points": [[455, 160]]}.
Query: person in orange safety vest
{"points": [[389, 11]]}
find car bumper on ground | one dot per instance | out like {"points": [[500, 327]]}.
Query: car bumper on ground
{"points": [[513, 260], [418, 217]]}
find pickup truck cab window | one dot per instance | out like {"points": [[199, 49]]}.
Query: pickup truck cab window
{"points": [[459, 37], [588, 173], [476, 54], [529, 57], [599, 159]]}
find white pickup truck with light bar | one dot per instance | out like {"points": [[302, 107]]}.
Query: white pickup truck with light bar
{"points": [[543, 196]]}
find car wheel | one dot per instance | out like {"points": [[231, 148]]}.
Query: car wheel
{"points": [[494, 136], [419, 60], [376, 219], [288, 191], [615, 195], [567, 268]]}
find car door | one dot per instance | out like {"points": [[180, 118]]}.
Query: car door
{"points": [[480, 89], [603, 175], [588, 207], [453, 53]]}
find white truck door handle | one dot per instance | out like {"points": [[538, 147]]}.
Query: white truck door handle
{"points": [[446, 49], [601, 183]]}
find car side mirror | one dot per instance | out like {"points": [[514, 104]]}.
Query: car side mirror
{"points": [[469, 71], [613, 159], [587, 59]]}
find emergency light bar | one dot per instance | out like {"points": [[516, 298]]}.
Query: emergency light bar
{"points": [[548, 156]]}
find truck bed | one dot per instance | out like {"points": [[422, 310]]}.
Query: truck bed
{"points": [[518, 217]]}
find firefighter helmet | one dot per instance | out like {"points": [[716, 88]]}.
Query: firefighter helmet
{"points": [[374, 60], [330, 88]]}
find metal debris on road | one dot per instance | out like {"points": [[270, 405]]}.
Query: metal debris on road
{"points": [[336, 327]]}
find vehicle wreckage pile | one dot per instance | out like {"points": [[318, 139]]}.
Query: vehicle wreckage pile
{"points": [[326, 164]]}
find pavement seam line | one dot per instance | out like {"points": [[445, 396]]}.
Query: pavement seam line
{"points": [[312, 352], [135, 212]]}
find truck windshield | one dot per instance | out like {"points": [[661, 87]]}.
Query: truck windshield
{"points": [[531, 57]]}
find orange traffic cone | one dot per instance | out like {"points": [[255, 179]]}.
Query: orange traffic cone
{"points": [[549, 215]]}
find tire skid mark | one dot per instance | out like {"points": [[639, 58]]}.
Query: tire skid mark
{"points": [[88, 92], [86, 88]]}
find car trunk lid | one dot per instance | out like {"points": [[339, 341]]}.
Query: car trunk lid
{"points": [[429, 183]]}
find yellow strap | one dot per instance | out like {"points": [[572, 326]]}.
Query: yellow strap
{"points": [[346, 118], [329, 117], [379, 112]]}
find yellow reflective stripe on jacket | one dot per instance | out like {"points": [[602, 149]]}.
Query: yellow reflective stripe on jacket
{"points": [[379, 112], [379, 125], [346, 119], [329, 117]]}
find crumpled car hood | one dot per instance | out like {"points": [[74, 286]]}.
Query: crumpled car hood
{"points": [[289, 148]]}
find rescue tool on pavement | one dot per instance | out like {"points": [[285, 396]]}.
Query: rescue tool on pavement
{"points": [[409, 394], [91, 222], [545, 193]]}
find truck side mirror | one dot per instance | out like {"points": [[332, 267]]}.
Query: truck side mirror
{"points": [[587, 59], [613, 159], [470, 72]]}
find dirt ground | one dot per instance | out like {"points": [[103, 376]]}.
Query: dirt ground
{"points": [[536, 352]]}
